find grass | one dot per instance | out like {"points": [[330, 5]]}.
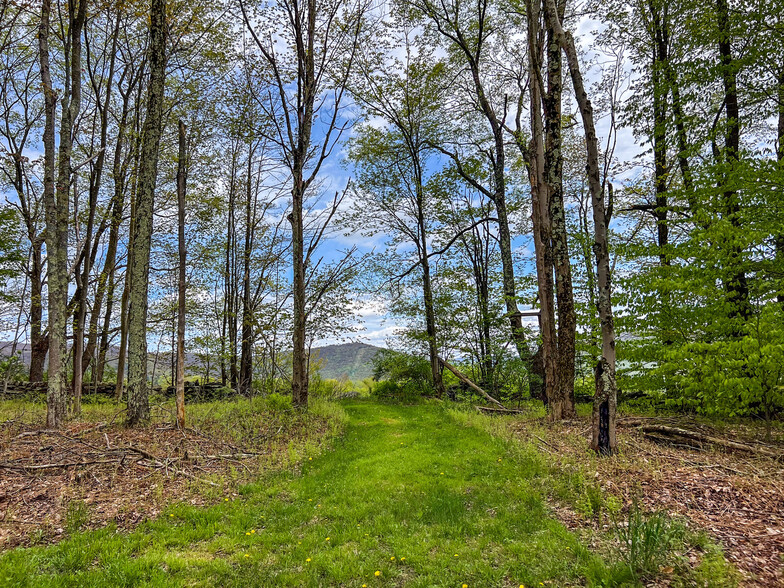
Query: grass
{"points": [[637, 545], [409, 495]]}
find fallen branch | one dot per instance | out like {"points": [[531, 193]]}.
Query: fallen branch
{"points": [[653, 430], [494, 410], [469, 383]]}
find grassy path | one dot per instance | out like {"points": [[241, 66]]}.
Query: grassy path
{"points": [[408, 497]]}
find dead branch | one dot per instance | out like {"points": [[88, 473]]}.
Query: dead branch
{"points": [[469, 383], [673, 433]]}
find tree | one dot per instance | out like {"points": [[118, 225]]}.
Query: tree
{"points": [[320, 41], [392, 192], [139, 260], [603, 419], [181, 180]]}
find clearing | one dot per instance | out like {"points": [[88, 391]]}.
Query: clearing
{"points": [[415, 496]]}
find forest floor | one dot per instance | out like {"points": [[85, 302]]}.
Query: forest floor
{"points": [[95, 471], [420, 496], [736, 497]]}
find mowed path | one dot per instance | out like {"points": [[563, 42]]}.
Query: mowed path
{"points": [[409, 496]]}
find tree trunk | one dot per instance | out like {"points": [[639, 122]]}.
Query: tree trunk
{"points": [[606, 392], [562, 403], [246, 346], [139, 262], [181, 171], [39, 342], [737, 287], [540, 215]]}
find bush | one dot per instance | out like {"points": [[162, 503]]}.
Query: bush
{"points": [[407, 375]]}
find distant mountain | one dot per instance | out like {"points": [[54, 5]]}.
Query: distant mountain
{"points": [[351, 360]]}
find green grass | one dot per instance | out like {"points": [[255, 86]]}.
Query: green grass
{"points": [[449, 502]]}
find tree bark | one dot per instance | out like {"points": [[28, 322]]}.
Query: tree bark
{"points": [[181, 177], [606, 392], [139, 262], [562, 404], [246, 345], [737, 287]]}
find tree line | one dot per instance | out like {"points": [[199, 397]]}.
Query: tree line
{"points": [[626, 181]]}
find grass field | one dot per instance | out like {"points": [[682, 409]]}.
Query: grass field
{"points": [[407, 497]]}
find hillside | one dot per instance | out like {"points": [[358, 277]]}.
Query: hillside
{"points": [[351, 360]]}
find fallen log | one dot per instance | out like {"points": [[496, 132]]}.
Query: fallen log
{"points": [[460, 376], [494, 410], [654, 430]]}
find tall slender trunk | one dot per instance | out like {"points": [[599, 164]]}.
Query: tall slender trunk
{"points": [[139, 262], [181, 178], [737, 286], [779, 239], [562, 404], [540, 214], [603, 420], [305, 110], [246, 346]]}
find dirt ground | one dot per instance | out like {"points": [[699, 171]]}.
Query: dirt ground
{"points": [[736, 497], [89, 475]]}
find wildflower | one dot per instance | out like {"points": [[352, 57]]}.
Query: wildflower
{"points": [[226, 499], [378, 573], [310, 500], [455, 555], [402, 559], [307, 559], [392, 558], [246, 555], [327, 539], [171, 515], [310, 459], [465, 585], [442, 473], [248, 533], [252, 531]]}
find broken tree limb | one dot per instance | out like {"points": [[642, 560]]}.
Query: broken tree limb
{"points": [[460, 376], [653, 430], [494, 410]]}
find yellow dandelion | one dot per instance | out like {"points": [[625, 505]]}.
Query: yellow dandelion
{"points": [[442, 473], [252, 531], [226, 499], [248, 533], [378, 573], [392, 558], [465, 585], [455, 555], [246, 555], [367, 535], [307, 559], [327, 539], [310, 500], [171, 515], [318, 506], [402, 559], [310, 459]]}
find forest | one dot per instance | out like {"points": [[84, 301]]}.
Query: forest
{"points": [[562, 220]]}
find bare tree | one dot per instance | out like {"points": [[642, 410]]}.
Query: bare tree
{"points": [[309, 79]]}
